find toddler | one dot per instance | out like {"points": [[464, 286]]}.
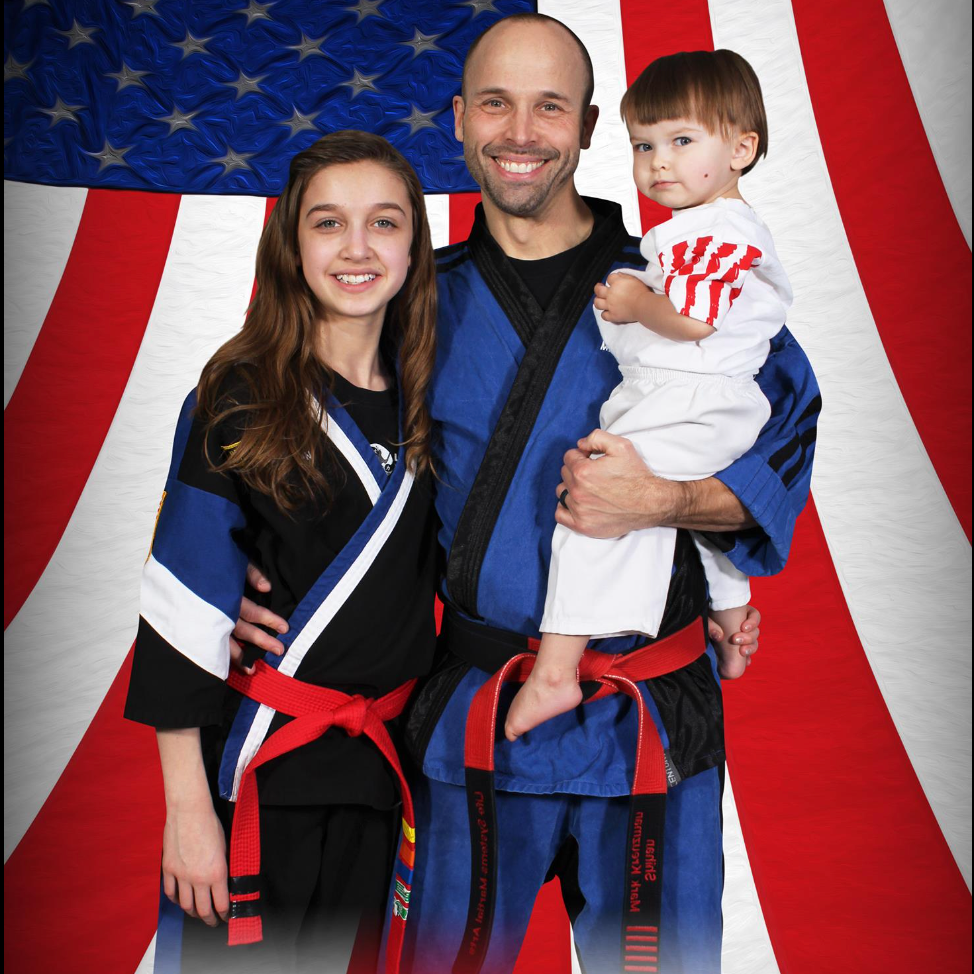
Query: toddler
{"points": [[689, 334]]}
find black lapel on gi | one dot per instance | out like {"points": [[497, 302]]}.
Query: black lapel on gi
{"points": [[544, 337]]}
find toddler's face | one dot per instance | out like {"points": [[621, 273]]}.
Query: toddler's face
{"points": [[679, 163]]}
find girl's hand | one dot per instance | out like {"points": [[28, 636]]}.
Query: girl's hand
{"points": [[194, 862]]}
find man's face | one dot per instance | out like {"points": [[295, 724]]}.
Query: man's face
{"points": [[521, 123]]}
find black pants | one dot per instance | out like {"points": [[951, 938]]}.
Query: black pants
{"points": [[325, 874]]}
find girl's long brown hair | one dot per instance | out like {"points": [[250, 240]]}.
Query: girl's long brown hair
{"points": [[279, 410]]}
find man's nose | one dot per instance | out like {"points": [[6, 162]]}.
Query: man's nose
{"points": [[521, 130]]}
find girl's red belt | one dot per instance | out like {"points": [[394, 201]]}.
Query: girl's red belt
{"points": [[314, 709], [642, 894]]}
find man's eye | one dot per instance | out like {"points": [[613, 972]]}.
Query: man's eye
{"points": [[551, 107]]}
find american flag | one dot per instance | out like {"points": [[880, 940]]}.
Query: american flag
{"points": [[142, 142]]}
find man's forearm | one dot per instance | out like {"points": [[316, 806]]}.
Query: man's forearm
{"points": [[700, 505]]}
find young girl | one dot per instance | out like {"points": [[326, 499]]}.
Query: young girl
{"points": [[689, 334], [305, 449]]}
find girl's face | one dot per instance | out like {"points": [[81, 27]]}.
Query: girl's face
{"points": [[355, 230]]}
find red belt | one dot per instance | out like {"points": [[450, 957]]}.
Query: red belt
{"points": [[644, 848], [314, 710]]}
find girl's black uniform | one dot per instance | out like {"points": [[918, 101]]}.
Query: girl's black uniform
{"points": [[357, 583]]}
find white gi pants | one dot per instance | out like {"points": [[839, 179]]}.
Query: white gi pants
{"points": [[685, 426]]}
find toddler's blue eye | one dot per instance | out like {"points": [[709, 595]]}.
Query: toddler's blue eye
{"points": [[683, 140], [642, 147]]}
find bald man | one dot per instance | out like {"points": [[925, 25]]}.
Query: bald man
{"points": [[520, 377]]}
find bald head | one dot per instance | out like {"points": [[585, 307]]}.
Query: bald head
{"points": [[492, 41]]}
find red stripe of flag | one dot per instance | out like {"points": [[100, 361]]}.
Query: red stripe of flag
{"points": [[83, 884], [912, 258], [853, 871], [269, 205], [462, 206], [834, 870], [548, 941], [652, 31], [60, 412]]}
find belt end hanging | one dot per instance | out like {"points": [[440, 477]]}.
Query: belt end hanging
{"points": [[244, 922]]}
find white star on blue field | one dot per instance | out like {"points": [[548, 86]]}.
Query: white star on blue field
{"points": [[190, 97]]}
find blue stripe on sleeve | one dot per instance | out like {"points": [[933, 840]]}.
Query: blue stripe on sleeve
{"points": [[181, 437], [194, 541], [772, 479]]}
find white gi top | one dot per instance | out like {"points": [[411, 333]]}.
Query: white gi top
{"points": [[716, 263]]}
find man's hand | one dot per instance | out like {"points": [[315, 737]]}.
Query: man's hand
{"points": [[251, 616], [613, 494], [622, 298]]}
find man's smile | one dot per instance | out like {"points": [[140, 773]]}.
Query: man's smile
{"points": [[521, 166]]}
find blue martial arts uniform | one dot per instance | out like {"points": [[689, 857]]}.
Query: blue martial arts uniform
{"points": [[515, 387]]}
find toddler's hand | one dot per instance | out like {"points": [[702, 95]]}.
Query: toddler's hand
{"points": [[621, 298], [733, 658]]}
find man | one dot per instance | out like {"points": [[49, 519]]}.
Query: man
{"points": [[520, 375]]}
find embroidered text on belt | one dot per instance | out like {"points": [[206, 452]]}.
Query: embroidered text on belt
{"points": [[314, 709], [642, 902]]}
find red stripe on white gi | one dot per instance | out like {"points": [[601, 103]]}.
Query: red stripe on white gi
{"points": [[60, 412], [912, 258]]}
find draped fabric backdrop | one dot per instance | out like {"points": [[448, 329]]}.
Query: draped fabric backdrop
{"points": [[847, 810]]}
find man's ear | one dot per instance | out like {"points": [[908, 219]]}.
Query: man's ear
{"points": [[745, 150], [458, 110], [588, 125]]}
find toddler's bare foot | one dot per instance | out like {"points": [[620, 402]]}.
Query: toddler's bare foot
{"points": [[732, 658], [545, 694]]}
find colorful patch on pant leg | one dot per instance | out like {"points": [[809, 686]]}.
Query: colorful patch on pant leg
{"points": [[409, 832]]}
